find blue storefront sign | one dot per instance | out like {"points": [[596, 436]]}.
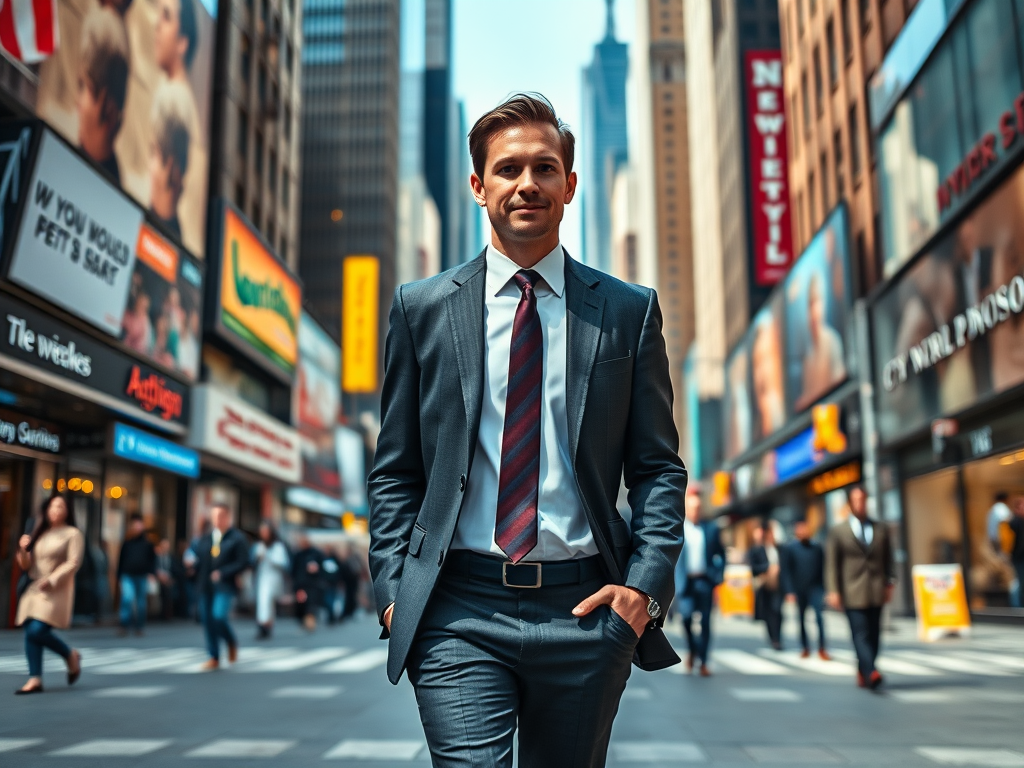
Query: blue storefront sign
{"points": [[797, 456], [145, 448]]}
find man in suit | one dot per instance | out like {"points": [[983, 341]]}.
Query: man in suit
{"points": [[860, 576], [221, 555], [519, 390], [803, 578], [766, 568], [700, 568]]}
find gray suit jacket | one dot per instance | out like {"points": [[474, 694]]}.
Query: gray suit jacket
{"points": [[857, 573], [619, 407]]}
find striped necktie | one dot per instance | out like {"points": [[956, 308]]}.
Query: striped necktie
{"points": [[515, 530]]}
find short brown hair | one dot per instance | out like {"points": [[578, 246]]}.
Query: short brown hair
{"points": [[518, 109]]}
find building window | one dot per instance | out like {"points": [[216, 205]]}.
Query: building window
{"points": [[243, 135], [259, 155], [854, 143], [240, 196], [786, 45], [799, 220], [844, 25], [819, 86], [800, 17], [825, 191], [286, 183], [833, 59], [272, 174], [792, 125], [813, 213], [245, 62], [805, 97], [837, 155]]}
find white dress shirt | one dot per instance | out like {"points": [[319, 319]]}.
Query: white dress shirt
{"points": [[564, 532], [865, 533], [695, 549]]}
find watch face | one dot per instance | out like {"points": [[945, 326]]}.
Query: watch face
{"points": [[653, 609]]}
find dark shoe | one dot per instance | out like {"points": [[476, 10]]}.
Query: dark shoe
{"points": [[777, 646], [73, 675], [824, 655], [804, 654], [876, 680], [27, 691], [232, 654], [704, 671]]}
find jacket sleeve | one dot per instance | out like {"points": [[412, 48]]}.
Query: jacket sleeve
{"points": [[239, 559], [397, 483], [653, 471], [67, 569]]}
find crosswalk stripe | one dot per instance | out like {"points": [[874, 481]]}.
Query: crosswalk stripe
{"points": [[179, 657], [292, 662], [132, 692], [971, 756], [890, 666], [242, 748], [363, 749], [747, 663], [657, 752], [1000, 660], [359, 662], [949, 663], [112, 748], [812, 663], [13, 745]]}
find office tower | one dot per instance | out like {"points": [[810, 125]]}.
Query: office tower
{"points": [[350, 148], [830, 50], [440, 123], [603, 138]]}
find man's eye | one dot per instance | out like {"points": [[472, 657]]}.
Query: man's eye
{"points": [[507, 169], [546, 168]]}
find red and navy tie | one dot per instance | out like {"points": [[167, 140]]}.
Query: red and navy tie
{"points": [[515, 529]]}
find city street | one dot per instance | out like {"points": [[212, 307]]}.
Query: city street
{"points": [[303, 699]]}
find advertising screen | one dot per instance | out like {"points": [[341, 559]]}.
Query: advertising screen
{"points": [[260, 300], [130, 86], [817, 300], [359, 321], [768, 383], [317, 406], [950, 331], [737, 411]]}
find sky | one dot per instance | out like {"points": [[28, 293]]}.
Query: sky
{"points": [[504, 46]]}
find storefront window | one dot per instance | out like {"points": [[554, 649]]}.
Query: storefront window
{"points": [[932, 509], [986, 51], [991, 538]]}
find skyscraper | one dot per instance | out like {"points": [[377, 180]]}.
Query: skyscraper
{"points": [[350, 147], [604, 140], [440, 123]]}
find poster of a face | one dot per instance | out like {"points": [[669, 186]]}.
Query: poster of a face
{"points": [[317, 405], [951, 331], [130, 86], [817, 298], [737, 402], [766, 369]]}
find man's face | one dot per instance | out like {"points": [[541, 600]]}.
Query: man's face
{"points": [[802, 531], [137, 527], [221, 518], [170, 46], [693, 506], [524, 187], [858, 503]]}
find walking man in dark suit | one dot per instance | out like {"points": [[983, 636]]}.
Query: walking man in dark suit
{"points": [[221, 556], [519, 389], [803, 578], [860, 576], [701, 568]]}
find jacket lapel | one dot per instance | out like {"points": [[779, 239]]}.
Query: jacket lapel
{"points": [[584, 310], [466, 316]]}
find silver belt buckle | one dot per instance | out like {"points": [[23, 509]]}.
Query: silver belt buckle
{"points": [[504, 575]]}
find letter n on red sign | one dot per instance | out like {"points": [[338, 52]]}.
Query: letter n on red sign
{"points": [[769, 172]]}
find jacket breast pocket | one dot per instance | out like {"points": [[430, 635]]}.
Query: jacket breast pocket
{"points": [[614, 367], [416, 540]]}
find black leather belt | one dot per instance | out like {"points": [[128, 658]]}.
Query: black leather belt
{"points": [[522, 575]]}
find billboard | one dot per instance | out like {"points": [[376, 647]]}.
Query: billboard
{"points": [[317, 406], [83, 245], [130, 86], [818, 301], [737, 411], [769, 175], [352, 462], [767, 371], [260, 300], [950, 331], [359, 323]]}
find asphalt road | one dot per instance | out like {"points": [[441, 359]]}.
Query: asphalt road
{"points": [[323, 698]]}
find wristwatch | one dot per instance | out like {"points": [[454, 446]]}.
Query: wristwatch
{"points": [[653, 608]]}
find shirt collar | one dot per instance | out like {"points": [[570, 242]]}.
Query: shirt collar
{"points": [[501, 269]]}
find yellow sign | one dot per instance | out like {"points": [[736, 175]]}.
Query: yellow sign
{"points": [[941, 601], [722, 493], [827, 434], [260, 301], [736, 592], [359, 303], [835, 478]]}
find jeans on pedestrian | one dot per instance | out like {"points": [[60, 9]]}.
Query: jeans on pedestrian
{"points": [[815, 599], [1017, 589], [39, 635], [133, 601], [866, 628], [215, 607], [700, 592]]}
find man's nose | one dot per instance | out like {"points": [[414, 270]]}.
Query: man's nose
{"points": [[528, 183]]}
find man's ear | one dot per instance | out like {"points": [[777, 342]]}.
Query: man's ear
{"points": [[478, 190], [570, 187]]}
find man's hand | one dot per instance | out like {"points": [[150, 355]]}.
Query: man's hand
{"points": [[215, 576], [387, 616], [833, 601], [630, 604]]}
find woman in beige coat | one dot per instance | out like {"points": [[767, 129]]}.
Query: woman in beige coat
{"points": [[51, 555]]}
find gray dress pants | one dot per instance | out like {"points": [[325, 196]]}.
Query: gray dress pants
{"points": [[488, 658]]}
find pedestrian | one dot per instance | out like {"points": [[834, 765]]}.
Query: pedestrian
{"points": [[306, 581], [1017, 552], [165, 578], [270, 563], [331, 571], [221, 556], [803, 578], [514, 592], [700, 568], [135, 565], [766, 570], [350, 572], [860, 577], [188, 560], [999, 514], [50, 555]]}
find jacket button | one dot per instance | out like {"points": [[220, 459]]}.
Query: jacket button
{"points": [[462, 483], [440, 557]]}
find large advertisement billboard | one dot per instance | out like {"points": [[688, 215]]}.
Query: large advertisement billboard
{"points": [[130, 86], [317, 406], [769, 174], [259, 299], [359, 306], [950, 331], [83, 245]]}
